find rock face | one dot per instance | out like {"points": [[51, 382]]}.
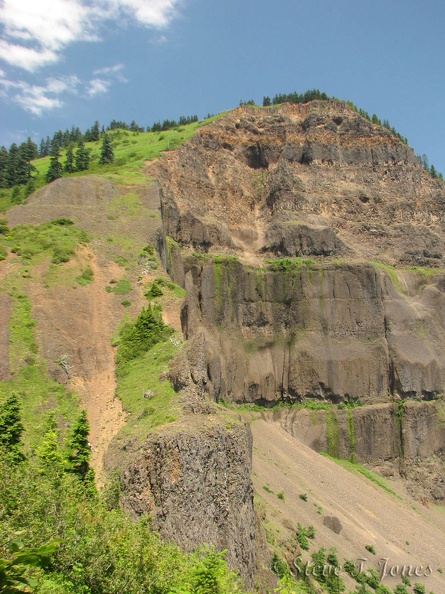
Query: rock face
{"points": [[330, 331], [195, 482], [312, 180], [297, 180], [284, 226], [406, 438], [300, 233]]}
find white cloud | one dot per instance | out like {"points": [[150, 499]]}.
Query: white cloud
{"points": [[98, 86], [112, 71], [37, 99], [36, 31], [25, 57]]}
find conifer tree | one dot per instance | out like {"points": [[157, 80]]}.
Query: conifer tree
{"points": [[95, 131], [11, 428], [79, 457], [107, 154], [82, 158], [48, 449], [55, 169], [69, 163]]}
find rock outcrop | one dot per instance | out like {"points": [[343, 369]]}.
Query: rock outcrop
{"points": [[194, 479], [298, 180], [406, 438], [291, 229], [314, 180]]}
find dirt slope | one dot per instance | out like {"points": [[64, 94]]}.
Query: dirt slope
{"points": [[398, 527], [77, 322]]}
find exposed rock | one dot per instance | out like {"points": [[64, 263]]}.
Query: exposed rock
{"points": [[407, 438], [332, 523], [193, 478], [319, 182], [307, 179]]}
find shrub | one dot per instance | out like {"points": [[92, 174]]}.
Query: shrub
{"points": [[154, 291], [139, 337], [61, 254], [303, 534], [86, 276]]}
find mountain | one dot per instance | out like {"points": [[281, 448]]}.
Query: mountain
{"points": [[304, 246]]}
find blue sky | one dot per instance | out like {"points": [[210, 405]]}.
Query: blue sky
{"points": [[70, 62]]}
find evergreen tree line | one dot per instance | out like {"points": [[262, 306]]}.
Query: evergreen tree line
{"points": [[16, 168], [74, 161], [314, 94], [15, 163], [295, 97]]}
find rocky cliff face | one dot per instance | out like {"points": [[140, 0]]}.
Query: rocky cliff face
{"points": [[311, 244], [194, 479], [312, 180], [291, 229], [406, 438]]}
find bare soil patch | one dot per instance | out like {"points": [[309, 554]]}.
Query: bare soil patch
{"points": [[399, 528]]}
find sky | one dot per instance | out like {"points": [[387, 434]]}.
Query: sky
{"points": [[67, 63]]}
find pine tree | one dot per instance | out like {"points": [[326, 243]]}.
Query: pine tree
{"points": [[69, 163], [107, 154], [79, 457], [82, 158], [55, 169], [16, 195], [49, 450], [95, 131], [4, 157], [11, 428]]}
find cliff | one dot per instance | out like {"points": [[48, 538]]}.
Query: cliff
{"points": [[345, 199], [311, 246]]}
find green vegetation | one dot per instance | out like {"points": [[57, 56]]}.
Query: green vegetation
{"points": [[130, 148], [11, 429], [138, 337], [106, 152], [370, 548], [145, 347], [287, 264], [85, 277], [332, 433], [303, 534], [427, 273], [120, 287], [59, 238], [391, 272], [311, 95], [59, 536], [154, 291], [356, 468], [351, 436], [303, 496]]}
